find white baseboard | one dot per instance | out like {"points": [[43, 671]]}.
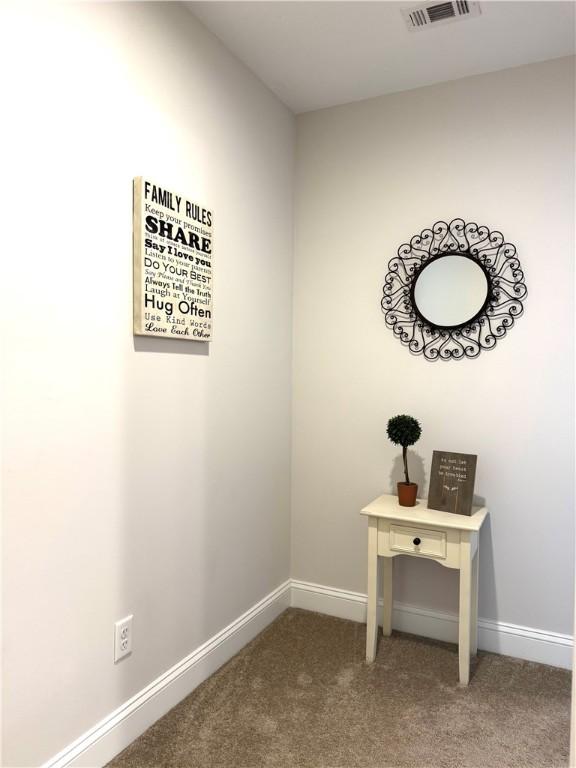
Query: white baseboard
{"points": [[497, 636], [101, 743], [107, 738]]}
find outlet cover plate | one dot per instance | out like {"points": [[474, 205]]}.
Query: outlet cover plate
{"points": [[122, 638]]}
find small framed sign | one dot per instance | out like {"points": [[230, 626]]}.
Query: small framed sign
{"points": [[452, 482], [172, 264]]}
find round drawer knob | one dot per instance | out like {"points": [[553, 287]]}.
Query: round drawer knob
{"points": [[416, 542]]}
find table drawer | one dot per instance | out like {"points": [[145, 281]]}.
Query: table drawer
{"points": [[418, 541]]}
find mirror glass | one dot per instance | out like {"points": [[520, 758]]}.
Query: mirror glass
{"points": [[450, 290]]}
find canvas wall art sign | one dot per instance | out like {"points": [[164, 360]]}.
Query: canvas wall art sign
{"points": [[452, 482], [172, 243]]}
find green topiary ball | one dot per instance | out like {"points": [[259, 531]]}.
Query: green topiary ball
{"points": [[403, 430]]}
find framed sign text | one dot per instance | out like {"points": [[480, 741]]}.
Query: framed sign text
{"points": [[172, 241]]}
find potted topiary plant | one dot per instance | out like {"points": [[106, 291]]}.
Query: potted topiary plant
{"points": [[405, 430]]}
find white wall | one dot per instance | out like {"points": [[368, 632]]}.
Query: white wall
{"points": [[140, 476], [497, 149]]}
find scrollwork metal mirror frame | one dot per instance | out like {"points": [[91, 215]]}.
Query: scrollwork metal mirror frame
{"points": [[503, 304]]}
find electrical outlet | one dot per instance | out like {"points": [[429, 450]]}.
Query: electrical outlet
{"points": [[122, 638]]}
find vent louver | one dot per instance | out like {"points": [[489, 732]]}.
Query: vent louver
{"points": [[433, 14]]}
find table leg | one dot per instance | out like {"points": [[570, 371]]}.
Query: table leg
{"points": [[474, 606], [371, 622], [465, 605], [387, 563]]}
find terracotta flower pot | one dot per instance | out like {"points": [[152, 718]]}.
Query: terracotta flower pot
{"points": [[407, 493]]}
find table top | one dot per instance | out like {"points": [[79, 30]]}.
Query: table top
{"points": [[387, 507]]}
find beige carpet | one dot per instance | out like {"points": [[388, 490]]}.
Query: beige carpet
{"points": [[300, 694]]}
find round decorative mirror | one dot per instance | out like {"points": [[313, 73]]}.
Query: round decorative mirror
{"points": [[450, 290], [453, 290]]}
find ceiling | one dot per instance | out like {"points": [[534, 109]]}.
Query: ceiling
{"points": [[319, 54]]}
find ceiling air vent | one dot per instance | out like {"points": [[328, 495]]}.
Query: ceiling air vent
{"points": [[425, 15]]}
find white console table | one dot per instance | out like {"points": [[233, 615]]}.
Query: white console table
{"points": [[449, 539]]}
